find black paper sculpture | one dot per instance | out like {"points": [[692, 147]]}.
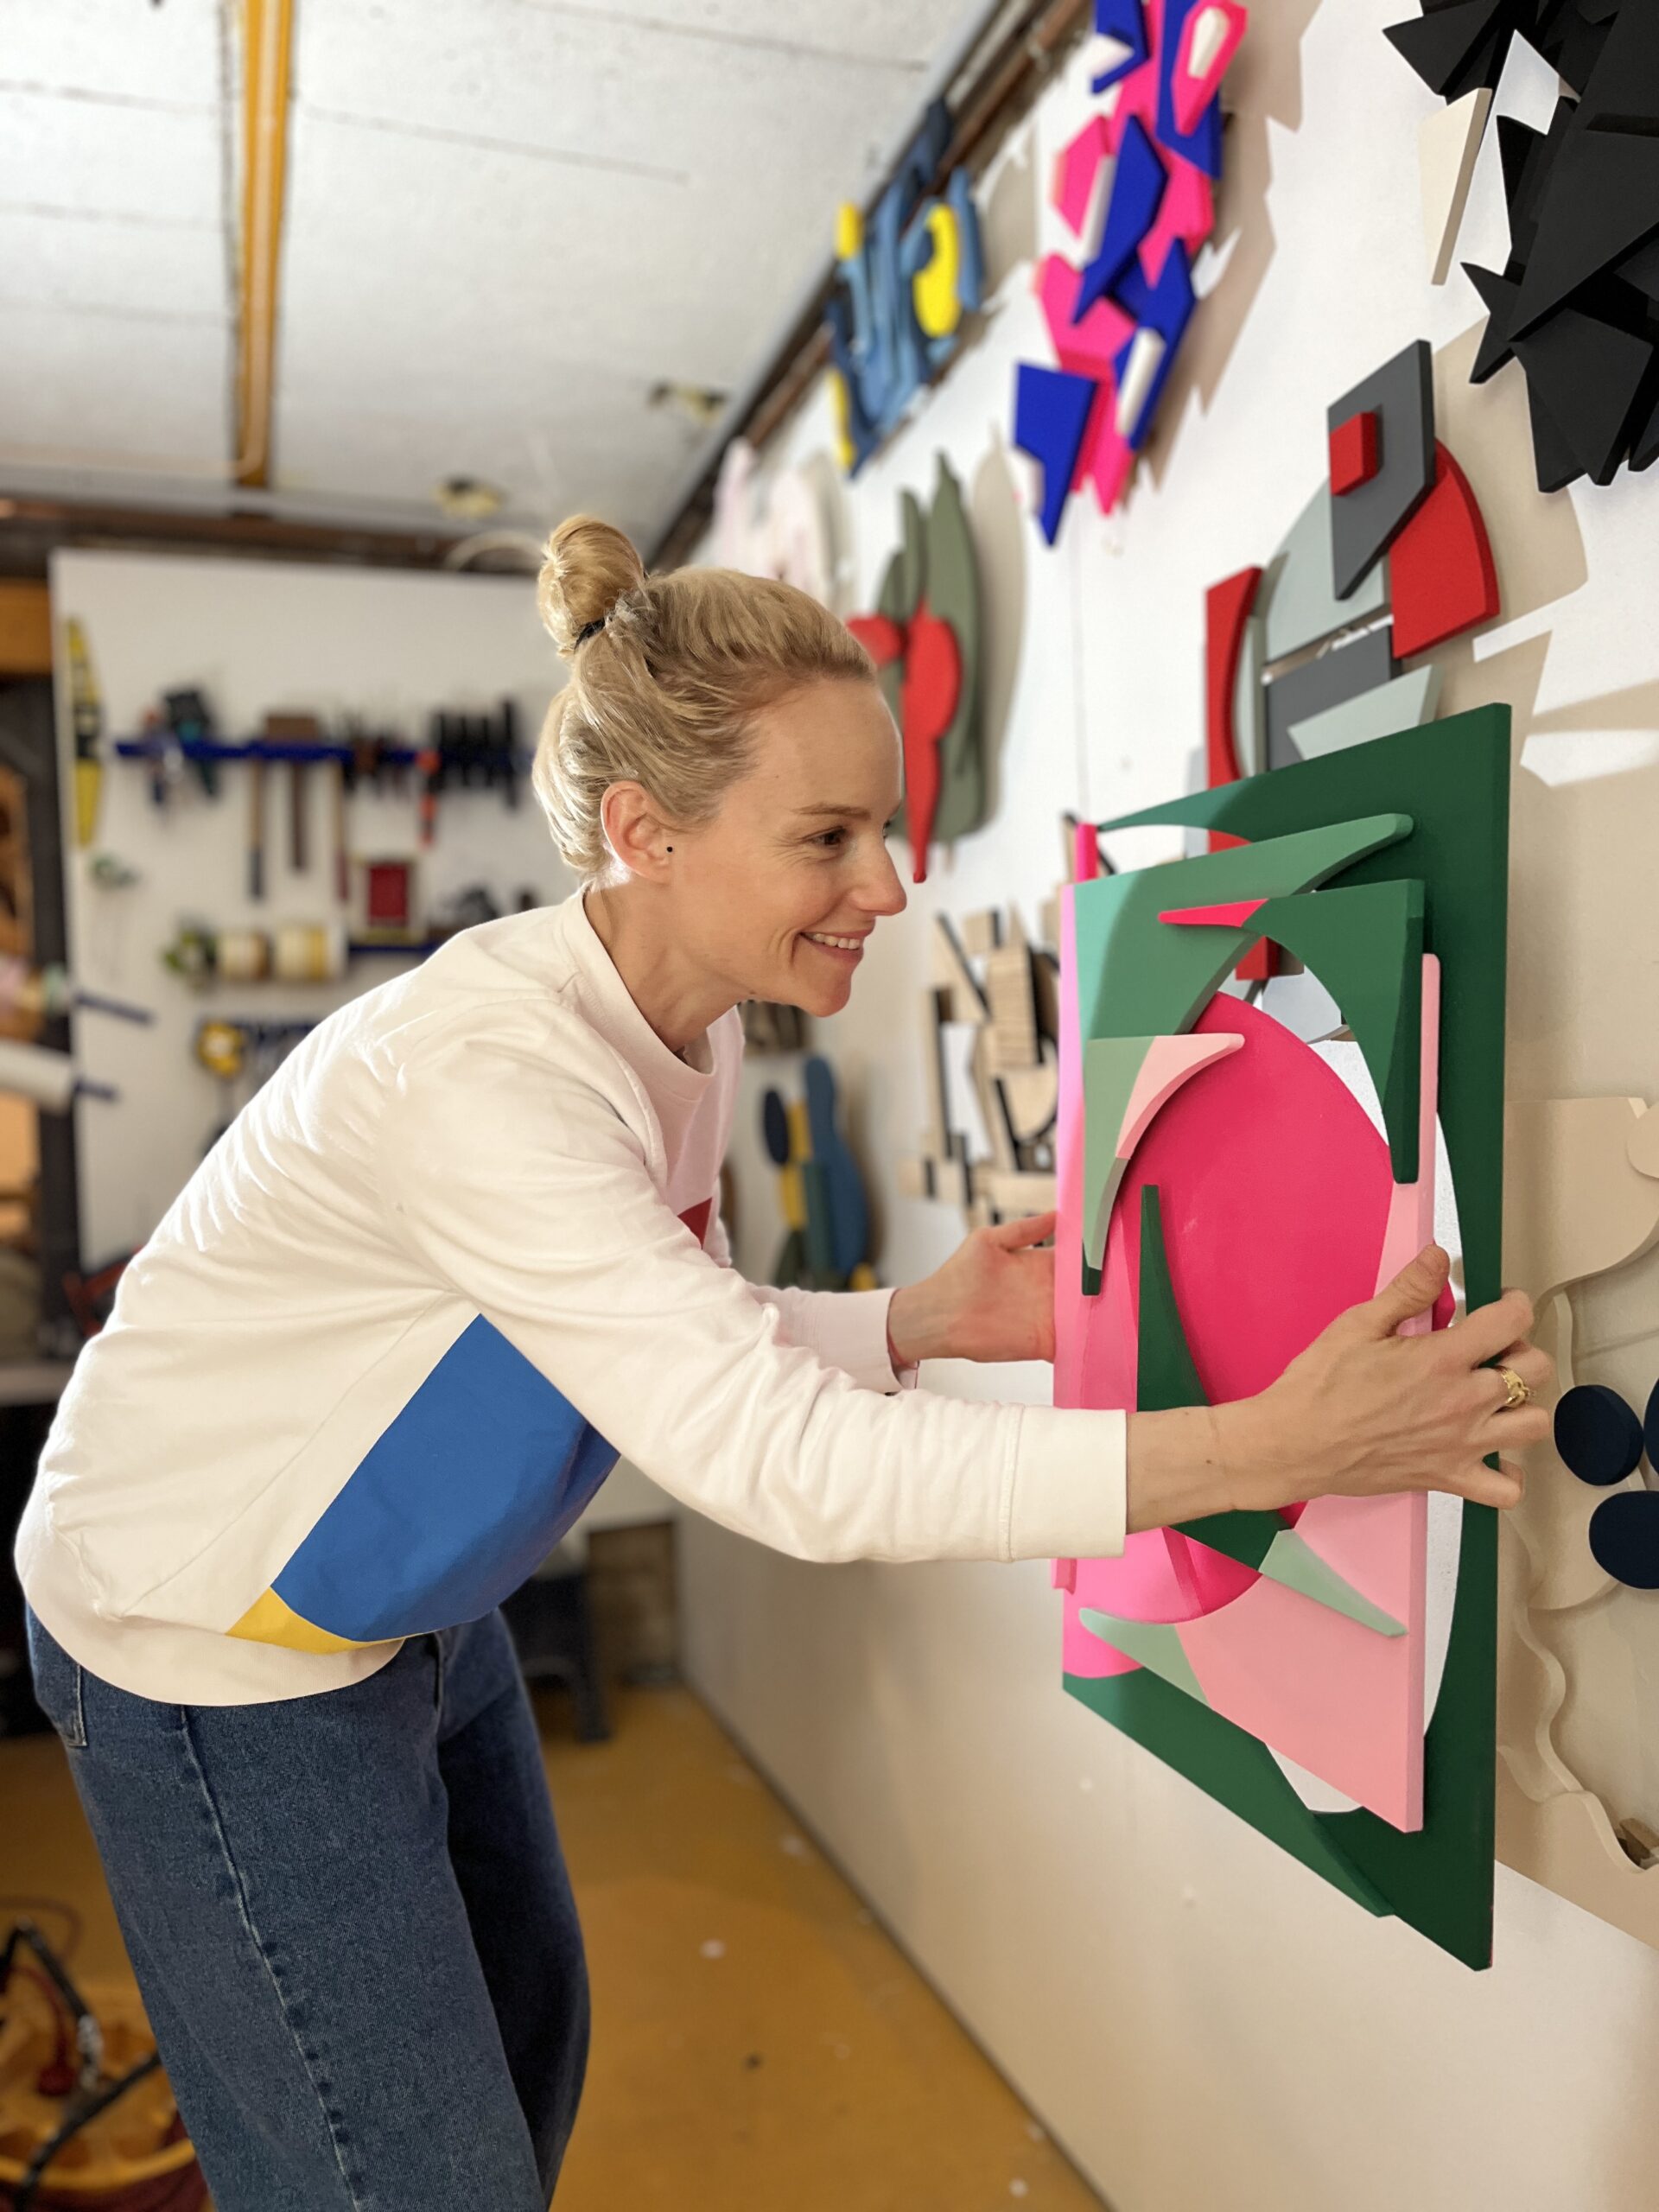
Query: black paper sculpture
{"points": [[1577, 303]]}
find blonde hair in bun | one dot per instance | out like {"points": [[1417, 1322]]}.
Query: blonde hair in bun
{"points": [[667, 674]]}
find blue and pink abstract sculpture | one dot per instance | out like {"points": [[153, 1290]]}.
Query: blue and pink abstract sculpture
{"points": [[1136, 187]]}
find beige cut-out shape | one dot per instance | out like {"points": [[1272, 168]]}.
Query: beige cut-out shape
{"points": [[1581, 1176], [1447, 148], [952, 975]]}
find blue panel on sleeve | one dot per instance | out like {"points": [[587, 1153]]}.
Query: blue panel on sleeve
{"points": [[460, 1499]]}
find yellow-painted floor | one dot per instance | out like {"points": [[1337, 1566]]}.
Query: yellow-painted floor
{"points": [[758, 2045]]}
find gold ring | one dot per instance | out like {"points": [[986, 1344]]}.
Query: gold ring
{"points": [[1519, 1391]]}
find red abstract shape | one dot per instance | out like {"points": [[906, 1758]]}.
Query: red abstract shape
{"points": [[697, 1217], [928, 698], [1356, 452], [883, 640], [1230, 917], [1227, 608], [1440, 568]]}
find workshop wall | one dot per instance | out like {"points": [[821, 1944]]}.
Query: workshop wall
{"points": [[256, 636], [1198, 2021]]}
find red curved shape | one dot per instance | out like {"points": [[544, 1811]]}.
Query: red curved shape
{"points": [[1441, 572], [927, 707], [880, 638]]}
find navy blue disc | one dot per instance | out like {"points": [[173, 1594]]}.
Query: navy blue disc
{"points": [[1624, 1538], [774, 1127], [1597, 1434]]}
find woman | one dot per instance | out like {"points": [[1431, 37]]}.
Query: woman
{"points": [[461, 1250]]}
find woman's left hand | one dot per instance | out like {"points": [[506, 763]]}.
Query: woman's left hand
{"points": [[993, 1299]]}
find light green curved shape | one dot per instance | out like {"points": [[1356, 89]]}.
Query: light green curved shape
{"points": [[1294, 1562], [1140, 977], [1151, 1644]]}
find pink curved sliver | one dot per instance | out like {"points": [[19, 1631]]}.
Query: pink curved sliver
{"points": [[1172, 1062]]}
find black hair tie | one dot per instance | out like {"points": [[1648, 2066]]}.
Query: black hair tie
{"points": [[588, 629]]}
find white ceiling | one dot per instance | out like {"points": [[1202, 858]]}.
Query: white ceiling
{"points": [[507, 221]]}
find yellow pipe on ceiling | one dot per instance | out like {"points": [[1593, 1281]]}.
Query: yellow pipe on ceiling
{"points": [[267, 43]]}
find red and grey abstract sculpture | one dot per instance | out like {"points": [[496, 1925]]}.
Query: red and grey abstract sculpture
{"points": [[1389, 559], [1577, 303], [1136, 188], [923, 638]]}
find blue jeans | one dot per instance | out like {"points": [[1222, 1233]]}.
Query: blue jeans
{"points": [[350, 1924]]}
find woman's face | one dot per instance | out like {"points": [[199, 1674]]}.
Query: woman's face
{"points": [[796, 857]]}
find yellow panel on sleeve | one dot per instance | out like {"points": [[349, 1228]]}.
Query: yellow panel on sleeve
{"points": [[268, 1620]]}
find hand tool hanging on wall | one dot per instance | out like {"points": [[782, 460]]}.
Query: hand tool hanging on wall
{"points": [[429, 768], [86, 718], [256, 827], [191, 721], [296, 731]]}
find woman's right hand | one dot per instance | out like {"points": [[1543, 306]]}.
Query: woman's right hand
{"points": [[1364, 1410]]}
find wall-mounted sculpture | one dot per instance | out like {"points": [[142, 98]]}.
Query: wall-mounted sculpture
{"points": [[1577, 303], [1388, 561], [1575, 1806], [776, 523], [924, 639], [989, 1039], [826, 1214], [1226, 1189], [1136, 188], [904, 284]]}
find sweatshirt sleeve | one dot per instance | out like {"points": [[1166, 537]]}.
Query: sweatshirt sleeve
{"points": [[520, 1185], [847, 1328]]}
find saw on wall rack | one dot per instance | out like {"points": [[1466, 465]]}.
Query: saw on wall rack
{"points": [[905, 283], [1136, 188], [1577, 302]]}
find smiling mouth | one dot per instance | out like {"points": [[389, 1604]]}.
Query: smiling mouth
{"points": [[828, 943]]}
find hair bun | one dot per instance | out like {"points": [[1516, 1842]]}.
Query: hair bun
{"points": [[587, 566]]}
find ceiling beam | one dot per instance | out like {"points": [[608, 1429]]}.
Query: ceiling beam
{"points": [[30, 529], [267, 39]]}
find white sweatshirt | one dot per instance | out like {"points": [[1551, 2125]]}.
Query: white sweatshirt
{"points": [[462, 1250]]}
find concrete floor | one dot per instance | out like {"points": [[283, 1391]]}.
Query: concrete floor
{"points": [[759, 2045]]}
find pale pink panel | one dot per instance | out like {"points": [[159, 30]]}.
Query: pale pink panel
{"points": [[1171, 1062], [1378, 1545], [1338, 1699]]}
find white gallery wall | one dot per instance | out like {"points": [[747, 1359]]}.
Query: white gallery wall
{"points": [[1201, 2023]]}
